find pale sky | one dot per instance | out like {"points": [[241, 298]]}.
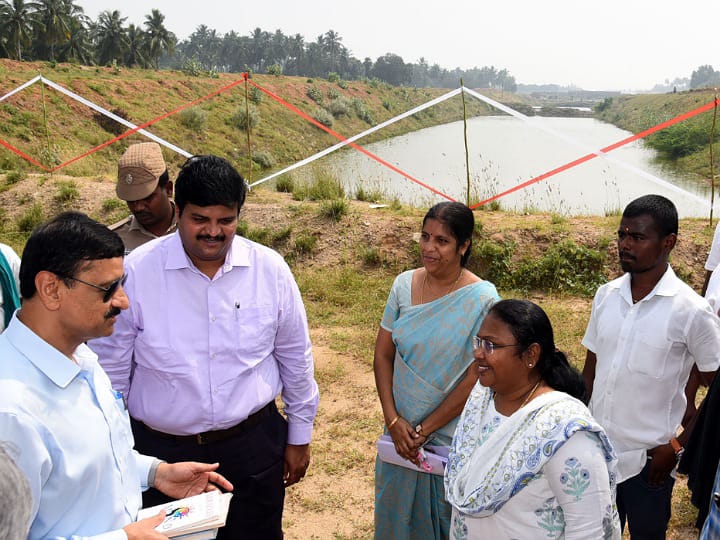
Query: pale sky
{"points": [[623, 45]]}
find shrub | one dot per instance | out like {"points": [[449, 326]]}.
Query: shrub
{"points": [[315, 94], [241, 119], [680, 139], [193, 118], [333, 94], [192, 67], [255, 95], [372, 196], [264, 159], [362, 112], [323, 117], [305, 243], [13, 177], [112, 204], [333, 77], [564, 267], [339, 106], [67, 192], [371, 256], [491, 260], [31, 218], [342, 84], [387, 104], [285, 183], [324, 187], [275, 69], [334, 209]]}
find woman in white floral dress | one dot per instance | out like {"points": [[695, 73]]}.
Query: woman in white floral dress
{"points": [[528, 461]]}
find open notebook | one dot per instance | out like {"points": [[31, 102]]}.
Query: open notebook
{"points": [[192, 518]]}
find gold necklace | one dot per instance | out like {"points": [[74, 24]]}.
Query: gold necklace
{"points": [[531, 393], [422, 289]]}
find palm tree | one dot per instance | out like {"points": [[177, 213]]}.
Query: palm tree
{"points": [[112, 40], [158, 39], [331, 43], [17, 22], [135, 55], [78, 47], [55, 17]]}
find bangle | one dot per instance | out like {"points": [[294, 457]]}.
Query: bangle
{"points": [[393, 421]]}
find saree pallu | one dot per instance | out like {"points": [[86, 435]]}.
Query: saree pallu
{"points": [[433, 350]]}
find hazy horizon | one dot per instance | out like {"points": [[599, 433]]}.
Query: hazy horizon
{"points": [[626, 46]]}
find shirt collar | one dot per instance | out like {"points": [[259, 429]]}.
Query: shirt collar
{"points": [[135, 225], [669, 285], [55, 365], [237, 255]]}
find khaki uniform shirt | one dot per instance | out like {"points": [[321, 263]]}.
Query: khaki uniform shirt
{"points": [[133, 234]]}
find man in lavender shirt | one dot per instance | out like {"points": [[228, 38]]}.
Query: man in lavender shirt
{"points": [[216, 329]]}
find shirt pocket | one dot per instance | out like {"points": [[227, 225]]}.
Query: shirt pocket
{"points": [[256, 327], [650, 356]]}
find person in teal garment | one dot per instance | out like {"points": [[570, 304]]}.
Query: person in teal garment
{"points": [[424, 370]]}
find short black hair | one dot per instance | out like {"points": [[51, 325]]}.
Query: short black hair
{"points": [[209, 181], [459, 219], [661, 209], [62, 244], [529, 324]]}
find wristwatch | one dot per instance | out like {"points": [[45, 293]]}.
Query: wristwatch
{"points": [[418, 429], [677, 448]]}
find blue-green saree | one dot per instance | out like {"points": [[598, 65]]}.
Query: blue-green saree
{"points": [[433, 344]]}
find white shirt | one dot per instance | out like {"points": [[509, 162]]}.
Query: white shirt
{"points": [[712, 294], [714, 256], [14, 262], [644, 355]]}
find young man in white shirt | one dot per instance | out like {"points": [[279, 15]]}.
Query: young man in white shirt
{"points": [[646, 330]]}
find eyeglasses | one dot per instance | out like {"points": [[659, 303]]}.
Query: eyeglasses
{"points": [[109, 290], [488, 346]]}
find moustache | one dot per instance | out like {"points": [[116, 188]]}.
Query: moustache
{"points": [[112, 312], [219, 238], [626, 255]]}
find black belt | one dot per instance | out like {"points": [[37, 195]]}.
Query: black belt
{"points": [[209, 437]]}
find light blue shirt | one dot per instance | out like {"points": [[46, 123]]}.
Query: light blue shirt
{"points": [[68, 431]]}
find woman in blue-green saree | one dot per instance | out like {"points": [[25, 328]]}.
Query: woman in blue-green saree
{"points": [[424, 370]]}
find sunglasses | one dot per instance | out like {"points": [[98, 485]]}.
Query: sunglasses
{"points": [[488, 346], [109, 291]]}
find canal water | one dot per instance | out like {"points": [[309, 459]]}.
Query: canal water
{"points": [[505, 151]]}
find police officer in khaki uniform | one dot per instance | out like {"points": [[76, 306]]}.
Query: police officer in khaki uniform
{"points": [[143, 182]]}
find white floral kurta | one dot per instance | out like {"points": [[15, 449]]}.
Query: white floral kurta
{"points": [[570, 497]]}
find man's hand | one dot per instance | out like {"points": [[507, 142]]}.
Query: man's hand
{"points": [[297, 460], [187, 478], [662, 464], [145, 528]]}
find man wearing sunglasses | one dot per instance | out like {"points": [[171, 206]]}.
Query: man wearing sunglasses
{"points": [[64, 426], [216, 329]]}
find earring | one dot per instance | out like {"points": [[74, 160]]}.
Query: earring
{"points": [[530, 365]]}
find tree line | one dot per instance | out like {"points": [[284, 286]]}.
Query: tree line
{"points": [[59, 31]]}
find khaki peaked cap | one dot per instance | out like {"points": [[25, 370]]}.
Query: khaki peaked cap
{"points": [[139, 170]]}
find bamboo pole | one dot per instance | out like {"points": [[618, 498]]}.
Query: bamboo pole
{"points": [[467, 154]]}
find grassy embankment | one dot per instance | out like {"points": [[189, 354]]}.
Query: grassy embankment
{"points": [[343, 254], [685, 145]]}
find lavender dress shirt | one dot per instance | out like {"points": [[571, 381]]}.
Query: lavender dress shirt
{"points": [[194, 354]]}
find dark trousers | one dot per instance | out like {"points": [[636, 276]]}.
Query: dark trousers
{"points": [[646, 508], [253, 461]]}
